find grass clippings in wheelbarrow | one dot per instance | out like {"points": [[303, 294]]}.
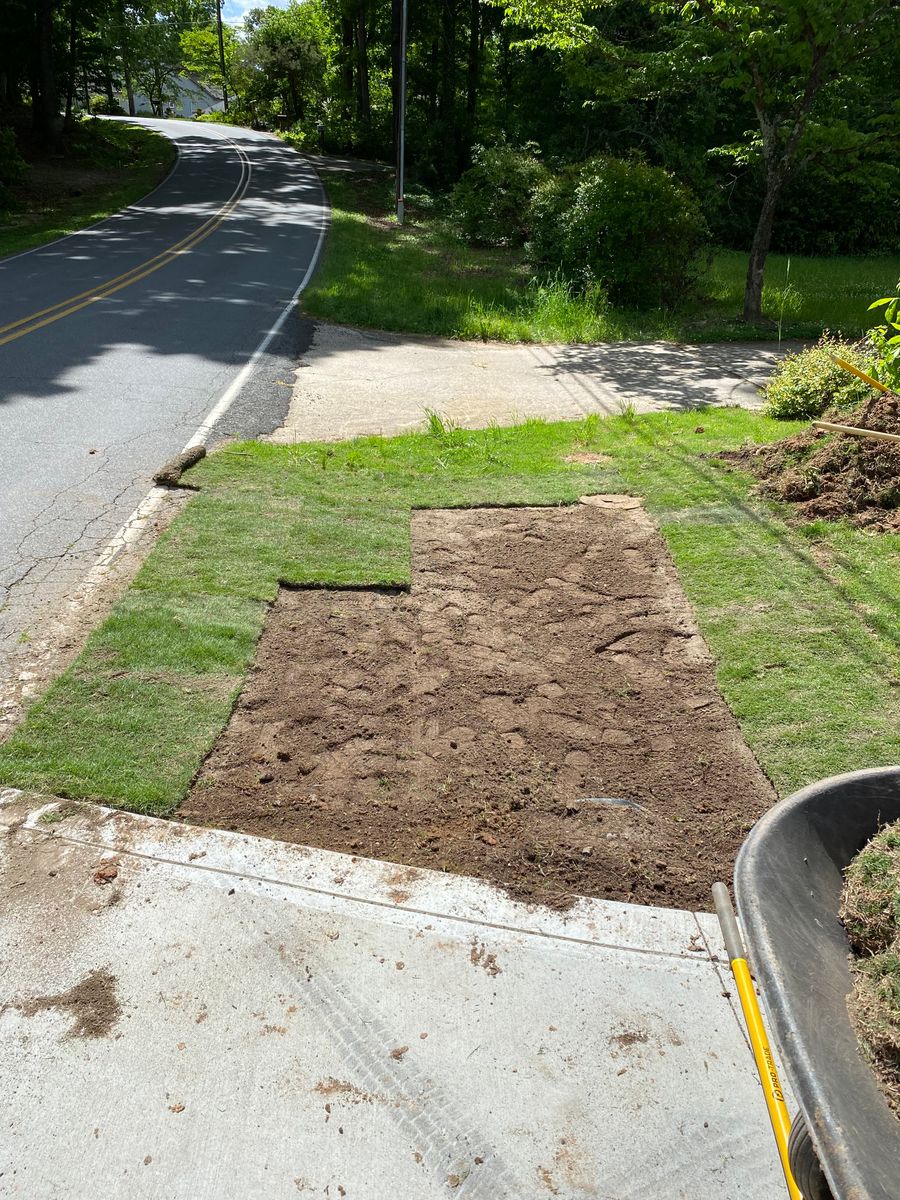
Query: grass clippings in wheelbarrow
{"points": [[871, 914]]}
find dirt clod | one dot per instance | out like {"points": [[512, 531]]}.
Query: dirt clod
{"points": [[460, 727], [105, 873]]}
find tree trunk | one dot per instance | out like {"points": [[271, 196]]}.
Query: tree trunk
{"points": [[108, 82], [762, 240], [296, 104], [346, 57], [156, 99], [473, 73], [126, 59], [45, 96], [73, 46], [363, 102], [452, 157]]}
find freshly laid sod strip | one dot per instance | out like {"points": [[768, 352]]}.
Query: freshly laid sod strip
{"points": [[113, 165], [803, 622], [423, 279]]}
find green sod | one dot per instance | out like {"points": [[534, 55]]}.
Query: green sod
{"points": [[802, 621]]}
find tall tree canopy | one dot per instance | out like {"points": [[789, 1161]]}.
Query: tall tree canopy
{"points": [[783, 117]]}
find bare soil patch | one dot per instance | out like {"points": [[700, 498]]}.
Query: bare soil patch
{"points": [[835, 476], [539, 710]]}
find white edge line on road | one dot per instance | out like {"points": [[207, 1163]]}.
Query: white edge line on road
{"points": [[228, 398], [143, 514]]}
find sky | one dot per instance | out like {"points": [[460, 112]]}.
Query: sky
{"points": [[233, 11]]}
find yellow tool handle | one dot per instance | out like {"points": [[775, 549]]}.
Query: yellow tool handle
{"points": [[756, 1031], [841, 362], [765, 1065]]}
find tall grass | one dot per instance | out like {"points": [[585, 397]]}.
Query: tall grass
{"points": [[422, 278]]}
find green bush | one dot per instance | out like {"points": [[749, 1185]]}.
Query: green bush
{"points": [[13, 168], [625, 225], [550, 201], [304, 135], [885, 341], [102, 106], [492, 201], [804, 385], [215, 117]]}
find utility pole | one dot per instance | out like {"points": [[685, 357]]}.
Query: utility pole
{"points": [[221, 53], [401, 118]]}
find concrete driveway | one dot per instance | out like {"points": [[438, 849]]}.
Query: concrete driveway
{"points": [[191, 1014], [351, 382]]}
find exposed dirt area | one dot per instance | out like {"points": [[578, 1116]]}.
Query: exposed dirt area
{"points": [[835, 476], [540, 711]]}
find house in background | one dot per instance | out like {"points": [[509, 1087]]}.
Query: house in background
{"points": [[186, 96]]}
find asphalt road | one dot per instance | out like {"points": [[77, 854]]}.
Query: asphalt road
{"points": [[116, 344]]}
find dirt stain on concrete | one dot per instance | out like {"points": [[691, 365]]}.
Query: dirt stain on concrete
{"points": [[93, 1004]]}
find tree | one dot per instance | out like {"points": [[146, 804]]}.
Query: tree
{"points": [[200, 55], [790, 60], [284, 57], [791, 64], [44, 87]]}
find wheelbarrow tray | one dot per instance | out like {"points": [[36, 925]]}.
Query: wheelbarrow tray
{"points": [[788, 881]]}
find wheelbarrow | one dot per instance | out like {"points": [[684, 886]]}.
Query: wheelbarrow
{"points": [[845, 1141]]}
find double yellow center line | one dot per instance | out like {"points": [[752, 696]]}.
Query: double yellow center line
{"points": [[46, 316]]}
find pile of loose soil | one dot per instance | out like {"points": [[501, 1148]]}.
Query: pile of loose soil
{"points": [[539, 710], [870, 911], [834, 475]]}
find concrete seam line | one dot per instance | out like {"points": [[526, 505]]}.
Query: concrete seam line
{"points": [[359, 897]]}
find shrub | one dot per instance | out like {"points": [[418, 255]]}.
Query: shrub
{"points": [[803, 385], [492, 200], [885, 341], [626, 225], [304, 135], [13, 167], [216, 117], [102, 106], [550, 202]]}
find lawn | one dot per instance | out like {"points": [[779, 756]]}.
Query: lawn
{"points": [[802, 621], [423, 279], [106, 166]]}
